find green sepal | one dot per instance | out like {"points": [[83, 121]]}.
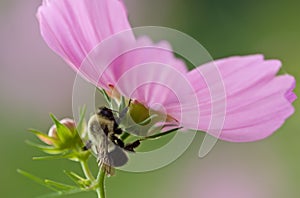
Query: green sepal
{"points": [[106, 97], [113, 105], [73, 155], [50, 157], [81, 123], [63, 132], [38, 133], [122, 105], [46, 149], [144, 122]]}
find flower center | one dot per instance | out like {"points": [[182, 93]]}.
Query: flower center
{"points": [[140, 119], [138, 112]]}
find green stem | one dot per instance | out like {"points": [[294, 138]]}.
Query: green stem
{"points": [[86, 170], [99, 182], [101, 186]]}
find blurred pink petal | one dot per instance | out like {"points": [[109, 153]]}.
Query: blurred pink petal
{"points": [[257, 101], [72, 28], [85, 34]]}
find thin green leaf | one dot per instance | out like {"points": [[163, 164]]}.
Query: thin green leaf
{"points": [[56, 194], [46, 149], [32, 177], [61, 193], [35, 179], [59, 185]]}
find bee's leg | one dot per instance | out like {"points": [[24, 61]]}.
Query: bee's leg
{"points": [[132, 146], [117, 141], [117, 130], [88, 145]]}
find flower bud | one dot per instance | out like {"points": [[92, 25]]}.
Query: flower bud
{"points": [[69, 123]]}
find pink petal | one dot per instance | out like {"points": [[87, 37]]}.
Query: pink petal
{"points": [[141, 70], [116, 55], [84, 33], [74, 27], [257, 101]]}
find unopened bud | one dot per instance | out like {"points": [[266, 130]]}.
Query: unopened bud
{"points": [[69, 123]]}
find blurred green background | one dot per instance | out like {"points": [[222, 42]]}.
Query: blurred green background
{"points": [[34, 81]]}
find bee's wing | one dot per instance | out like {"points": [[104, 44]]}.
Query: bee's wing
{"points": [[108, 154], [103, 158], [99, 144], [118, 157]]}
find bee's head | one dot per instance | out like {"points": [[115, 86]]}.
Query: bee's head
{"points": [[105, 112]]}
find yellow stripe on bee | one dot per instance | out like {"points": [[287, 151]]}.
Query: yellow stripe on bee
{"points": [[106, 122]]}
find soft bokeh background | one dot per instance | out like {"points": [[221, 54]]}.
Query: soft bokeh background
{"points": [[34, 81]]}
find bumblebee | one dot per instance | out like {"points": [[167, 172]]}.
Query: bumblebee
{"points": [[103, 134]]}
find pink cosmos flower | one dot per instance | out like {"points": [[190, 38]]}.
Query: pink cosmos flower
{"points": [[257, 101]]}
